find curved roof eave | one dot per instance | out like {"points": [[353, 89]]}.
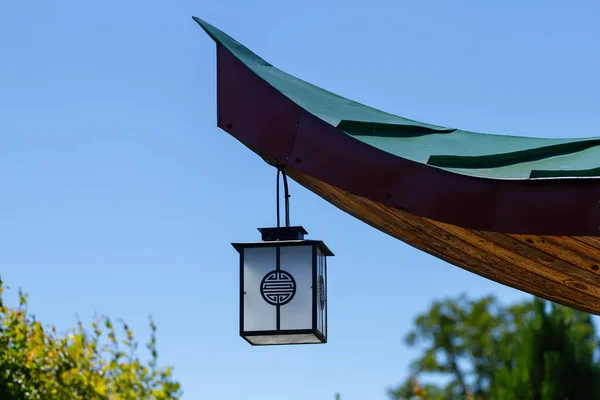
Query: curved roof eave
{"points": [[479, 181], [521, 211]]}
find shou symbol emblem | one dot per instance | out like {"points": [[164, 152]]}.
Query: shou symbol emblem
{"points": [[278, 288], [321, 286]]}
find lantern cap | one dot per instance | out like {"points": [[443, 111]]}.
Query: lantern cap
{"points": [[281, 243], [283, 233], [288, 236]]}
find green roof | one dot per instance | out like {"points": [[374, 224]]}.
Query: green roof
{"points": [[455, 150]]}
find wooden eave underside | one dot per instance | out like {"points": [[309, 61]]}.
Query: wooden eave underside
{"points": [[387, 192], [563, 269]]}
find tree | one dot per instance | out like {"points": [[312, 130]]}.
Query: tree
{"points": [[38, 363], [486, 351], [552, 358]]}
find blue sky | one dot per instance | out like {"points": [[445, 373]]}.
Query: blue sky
{"points": [[119, 195]]}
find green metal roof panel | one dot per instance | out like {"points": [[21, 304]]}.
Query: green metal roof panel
{"points": [[468, 153]]}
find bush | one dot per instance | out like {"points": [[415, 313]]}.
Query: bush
{"points": [[38, 363]]}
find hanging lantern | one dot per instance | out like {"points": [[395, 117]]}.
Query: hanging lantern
{"points": [[283, 286]]}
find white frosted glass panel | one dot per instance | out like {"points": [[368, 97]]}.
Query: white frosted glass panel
{"points": [[322, 313], [258, 314], [297, 261], [324, 332], [319, 273]]}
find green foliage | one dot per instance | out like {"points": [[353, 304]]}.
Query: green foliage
{"points": [[413, 390], [534, 350], [552, 357], [38, 363]]}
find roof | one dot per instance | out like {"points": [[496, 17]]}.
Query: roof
{"points": [[524, 212], [456, 150]]}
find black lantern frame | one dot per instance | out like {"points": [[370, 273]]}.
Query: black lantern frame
{"points": [[279, 238]]}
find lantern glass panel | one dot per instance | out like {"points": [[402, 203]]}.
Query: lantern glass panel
{"points": [[321, 295], [258, 314], [297, 261]]}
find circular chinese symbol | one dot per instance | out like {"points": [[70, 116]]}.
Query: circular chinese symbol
{"points": [[278, 287], [321, 286]]}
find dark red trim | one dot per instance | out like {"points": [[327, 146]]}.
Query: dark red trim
{"points": [[253, 112], [272, 125]]}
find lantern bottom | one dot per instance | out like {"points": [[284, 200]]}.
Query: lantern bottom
{"points": [[301, 338]]}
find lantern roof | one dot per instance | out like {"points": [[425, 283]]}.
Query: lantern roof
{"points": [[273, 243], [284, 236], [521, 211]]}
